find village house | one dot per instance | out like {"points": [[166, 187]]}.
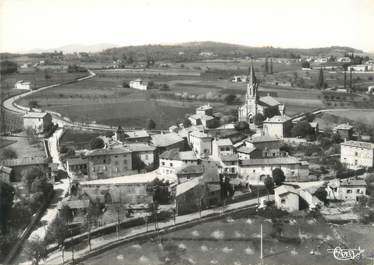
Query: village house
{"points": [[345, 131], [139, 84], [254, 171], [356, 154], [201, 143], [222, 147], [173, 160], [22, 85], [239, 79], [109, 163], [168, 141], [19, 165], [142, 153], [361, 68], [203, 116], [344, 60], [286, 198], [278, 126], [38, 121], [346, 189], [134, 189], [131, 136], [76, 166], [5, 174], [292, 198], [189, 172], [264, 146]]}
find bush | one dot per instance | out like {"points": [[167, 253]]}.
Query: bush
{"points": [[241, 125], [278, 176], [230, 99], [125, 84], [97, 143], [8, 153]]}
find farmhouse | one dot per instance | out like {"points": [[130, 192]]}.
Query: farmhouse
{"points": [[267, 106], [22, 85], [38, 121], [139, 84], [110, 162], [142, 153], [167, 141], [131, 136], [222, 147], [346, 189], [203, 116], [356, 154], [286, 198]]}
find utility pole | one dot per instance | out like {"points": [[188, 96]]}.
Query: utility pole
{"points": [[72, 245], [345, 79], [350, 79], [261, 245]]}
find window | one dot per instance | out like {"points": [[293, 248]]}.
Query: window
{"points": [[254, 170], [266, 154], [222, 149], [232, 170], [163, 163], [171, 164], [356, 153], [125, 161], [116, 162], [273, 154], [355, 162], [283, 201], [227, 148], [115, 156], [358, 191], [104, 161], [349, 191], [146, 157]]}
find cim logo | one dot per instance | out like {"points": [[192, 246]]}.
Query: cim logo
{"points": [[346, 254]]}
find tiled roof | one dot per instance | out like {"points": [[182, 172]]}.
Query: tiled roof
{"points": [[186, 186], [224, 142], [359, 144], [76, 161], [167, 139], [132, 179], [191, 169], [175, 154], [261, 139], [199, 134], [36, 115], [352, 182], [245, 149], [25, 161], [284, 189], [344, 126], [288, 160], [269, 100], [278, 119], [109, 151], [137, 134], [140, 147], [204, 107], [232, 157]]}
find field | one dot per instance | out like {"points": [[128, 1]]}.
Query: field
{"points": [[237, 241], [104, 100]]}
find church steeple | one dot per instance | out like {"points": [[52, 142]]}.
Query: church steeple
{"points": [[252, 83]]}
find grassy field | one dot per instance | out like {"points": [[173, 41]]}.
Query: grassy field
{"points": [[237, 241], [104, 100]]}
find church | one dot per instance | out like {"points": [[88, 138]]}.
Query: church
{"points": [[267, 105]]}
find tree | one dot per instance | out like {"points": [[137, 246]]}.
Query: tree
{"points": [[230, 99], [6, 202], [258, 119], [29, 175], [269, 184], [109, 134], [305, 64], [271, 66], [61, 174], [36, 250], [97, 143], [57, 230], [266, 66], [278, 176], [8, 67], [8, 153], [33, 104], [321, 80], [186, 123], [150, 124], [125, 84], [241, 125], [302, 129], [321, 194]]}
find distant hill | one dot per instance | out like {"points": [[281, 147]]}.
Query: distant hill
{"points": [[71, 48], [208, 49]]}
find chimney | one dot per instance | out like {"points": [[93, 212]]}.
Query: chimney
{"points": [[282, 109]]}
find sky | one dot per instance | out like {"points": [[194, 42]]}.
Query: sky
{"points": [[46, 24]]}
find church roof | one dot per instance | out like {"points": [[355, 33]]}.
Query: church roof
{"points": [[269, 100], [251, 75]]}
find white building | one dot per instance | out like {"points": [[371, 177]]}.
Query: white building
{"points": [[361, 68], [38, 121], [139, 84], [222, 147], [344, 60], [346, 189], [201, 143], [22, 85], [278, 126], [356, 154], [286, 198], [173, 160]]}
